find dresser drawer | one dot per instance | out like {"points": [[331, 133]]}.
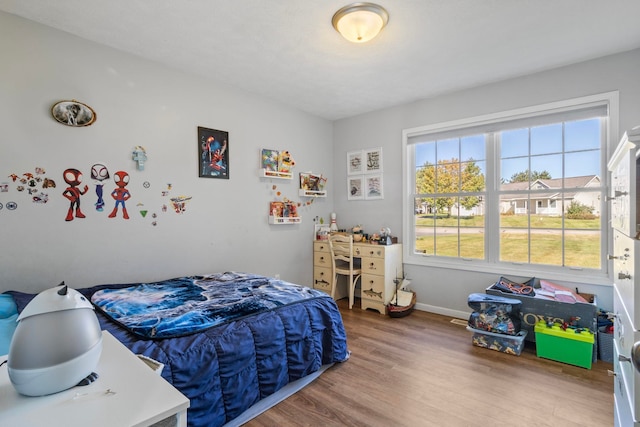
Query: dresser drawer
{"points": [[626, 258], [373, 266], [627, 378], [321, 246], [370, 251], [322, 259], [372, 287], [322, 278]]}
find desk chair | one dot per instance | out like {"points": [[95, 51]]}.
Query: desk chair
{"points": [[343, 263]]}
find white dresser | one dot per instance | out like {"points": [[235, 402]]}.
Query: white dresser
{"points": [[626, 295]]}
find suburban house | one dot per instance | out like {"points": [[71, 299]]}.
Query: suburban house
{"points": [[550, 203]]}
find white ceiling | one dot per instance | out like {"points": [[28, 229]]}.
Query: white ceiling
{"points": [[287, 50]]}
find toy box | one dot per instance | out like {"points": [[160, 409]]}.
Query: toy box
{"points": [[534, 309], [510, 344], [571, 346]]}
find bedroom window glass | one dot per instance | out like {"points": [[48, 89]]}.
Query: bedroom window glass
{"points": [[521, 192]]}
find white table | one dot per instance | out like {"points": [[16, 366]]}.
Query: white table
{"points": [[126, 393]]}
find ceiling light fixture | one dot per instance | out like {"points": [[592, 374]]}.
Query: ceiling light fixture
{"points": [[360, 22]]}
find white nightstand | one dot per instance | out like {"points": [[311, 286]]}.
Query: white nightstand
{"points": [[126, 393]]}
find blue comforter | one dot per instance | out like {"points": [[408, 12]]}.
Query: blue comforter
{"points": [[228, 365]]}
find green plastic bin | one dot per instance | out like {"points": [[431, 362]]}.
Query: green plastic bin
{"points": [[564, 346]]}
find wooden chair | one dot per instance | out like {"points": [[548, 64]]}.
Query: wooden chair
{"points": [[341, 247]]}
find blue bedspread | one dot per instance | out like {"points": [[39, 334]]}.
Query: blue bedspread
{"points": [[225, 369], [187, 305]]}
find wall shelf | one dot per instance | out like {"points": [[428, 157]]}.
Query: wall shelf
{"points": [[312, 193], [263, 173], [279, 220]]}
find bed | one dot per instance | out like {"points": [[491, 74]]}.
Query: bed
{"points": [[228, 341]]}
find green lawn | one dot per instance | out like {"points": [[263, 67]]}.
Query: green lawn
{"points": [[511, 221], [580, 250]]}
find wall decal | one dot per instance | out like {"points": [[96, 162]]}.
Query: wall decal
{"points": [[120, 194], [73, 177], [139, 155], [73, 113], [99, 173], [213, 149]]}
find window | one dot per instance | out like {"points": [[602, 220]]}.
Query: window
{"points": [[522, 191]]}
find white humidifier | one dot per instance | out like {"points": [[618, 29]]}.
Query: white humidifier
{"points": [[56, 344]]}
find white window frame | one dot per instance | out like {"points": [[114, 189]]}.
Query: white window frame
{"points": [[610, 100]]}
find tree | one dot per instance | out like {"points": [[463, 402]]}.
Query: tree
{"points": [[449, 176], [524, 176]]}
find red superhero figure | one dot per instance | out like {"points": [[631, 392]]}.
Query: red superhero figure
{"points": [[73, 177], [120, 194]]}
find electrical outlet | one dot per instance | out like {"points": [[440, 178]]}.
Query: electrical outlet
{"points": [[277, 276]]}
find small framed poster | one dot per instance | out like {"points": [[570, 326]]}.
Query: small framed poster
{"points": [[355, 190], [373, 160], [213, 150], [373, 187], [355, 163]]}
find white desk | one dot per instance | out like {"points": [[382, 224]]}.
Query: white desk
{"points": [[126, 393]]}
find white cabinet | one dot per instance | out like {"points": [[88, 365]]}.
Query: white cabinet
{"points": [[626, 255]]}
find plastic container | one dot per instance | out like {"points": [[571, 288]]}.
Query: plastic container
{"points": [[605, 346], [567, 346], [510, 344]]}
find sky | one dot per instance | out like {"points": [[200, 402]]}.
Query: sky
{"points": [[581, 145]]}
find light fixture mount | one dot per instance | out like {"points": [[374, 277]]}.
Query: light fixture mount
{"points": [[360, 22]]}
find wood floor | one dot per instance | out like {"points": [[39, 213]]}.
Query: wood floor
{"points": [[422, 370]]}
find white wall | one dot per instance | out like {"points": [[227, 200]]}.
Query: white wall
{"points": [[139, 102], [443, 290]]}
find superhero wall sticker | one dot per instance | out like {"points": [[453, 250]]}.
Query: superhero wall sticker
{"points": [[112, 192], [35, 186]]}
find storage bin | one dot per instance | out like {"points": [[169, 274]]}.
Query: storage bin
{"points": [[605, 346], [567, 346], [534, 309], [510, 344]]}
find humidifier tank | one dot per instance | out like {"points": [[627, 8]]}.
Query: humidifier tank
{"points": [[56, 344]]}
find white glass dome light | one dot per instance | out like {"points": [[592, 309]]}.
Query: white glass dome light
{"points": [[360, 22], [57, 343]]}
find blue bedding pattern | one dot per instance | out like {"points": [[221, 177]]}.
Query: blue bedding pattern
{"points": [[187, 305], [226, 369]]}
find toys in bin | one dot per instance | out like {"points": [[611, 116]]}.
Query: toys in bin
{"points": [[494, 314], [509, 344]]}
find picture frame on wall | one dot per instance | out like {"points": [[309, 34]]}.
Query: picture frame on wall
{"points": [[355, 162], [355, 188], [373, 160], [373, 187], [73, 113], [213, 153]]}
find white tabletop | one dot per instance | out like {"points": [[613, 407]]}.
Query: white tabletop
{"points": [[126, 393]]}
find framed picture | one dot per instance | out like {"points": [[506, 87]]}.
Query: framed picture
{"points": [[373, 187], [355, 188], [73, 113], [355, 163], [213, 150], [373, 160]]}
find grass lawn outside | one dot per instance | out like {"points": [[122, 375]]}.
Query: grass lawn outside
{"points": [[582, 248]]}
